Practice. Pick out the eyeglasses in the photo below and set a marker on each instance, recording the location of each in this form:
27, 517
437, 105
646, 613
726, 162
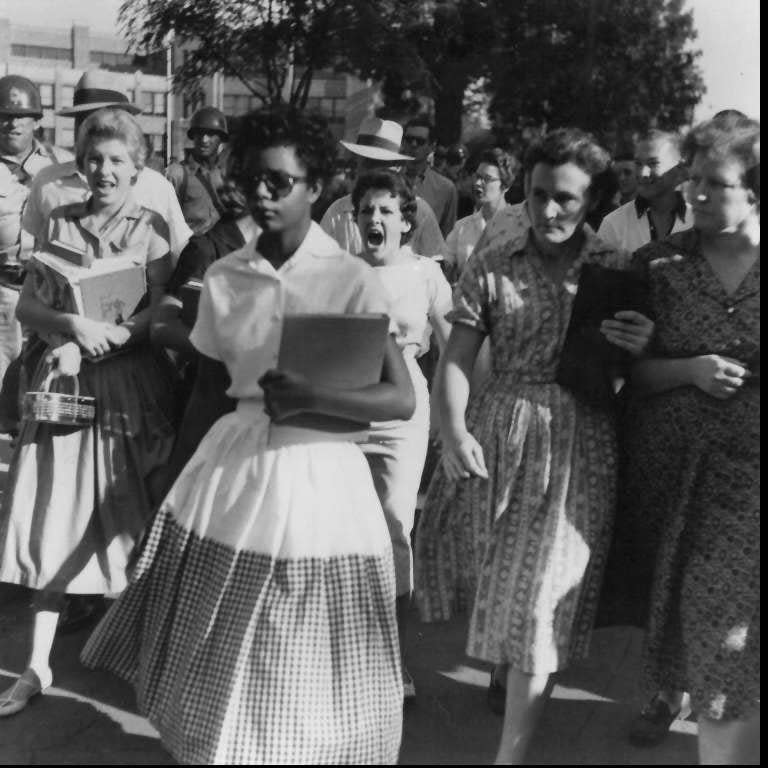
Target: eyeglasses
278, 183
485, 179
419, 141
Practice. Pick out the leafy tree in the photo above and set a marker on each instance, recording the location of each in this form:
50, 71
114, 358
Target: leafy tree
610, 66
274, 47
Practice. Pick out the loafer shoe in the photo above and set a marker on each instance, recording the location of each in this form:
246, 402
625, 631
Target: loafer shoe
16, 698
652, 725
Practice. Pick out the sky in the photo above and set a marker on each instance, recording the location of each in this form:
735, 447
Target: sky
729, 37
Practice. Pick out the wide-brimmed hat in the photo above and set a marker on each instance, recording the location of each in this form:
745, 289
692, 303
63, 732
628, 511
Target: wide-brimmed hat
95, 90
378, 140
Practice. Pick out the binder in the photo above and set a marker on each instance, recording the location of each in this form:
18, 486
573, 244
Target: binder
588, 360
333, 350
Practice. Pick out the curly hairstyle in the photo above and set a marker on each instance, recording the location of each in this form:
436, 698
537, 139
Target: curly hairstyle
567, 145
729, 137
111, 123
397, 186
285, 126
506, 163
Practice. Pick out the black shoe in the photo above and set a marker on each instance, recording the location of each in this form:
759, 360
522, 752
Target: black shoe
496, 696
80, 612
651, 726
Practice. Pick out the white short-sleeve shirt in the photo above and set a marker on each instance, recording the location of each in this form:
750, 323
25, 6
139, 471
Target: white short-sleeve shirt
244, 300
628, 228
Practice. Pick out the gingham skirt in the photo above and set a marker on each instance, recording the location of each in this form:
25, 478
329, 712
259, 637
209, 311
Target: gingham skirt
259, 626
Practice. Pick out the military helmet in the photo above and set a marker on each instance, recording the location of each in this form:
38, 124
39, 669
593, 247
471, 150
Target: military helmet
208, 119
19, 96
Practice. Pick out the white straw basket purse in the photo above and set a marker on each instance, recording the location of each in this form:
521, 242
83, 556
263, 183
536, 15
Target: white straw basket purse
59, 407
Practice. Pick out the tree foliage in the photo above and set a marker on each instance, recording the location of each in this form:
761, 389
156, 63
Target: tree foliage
606, 65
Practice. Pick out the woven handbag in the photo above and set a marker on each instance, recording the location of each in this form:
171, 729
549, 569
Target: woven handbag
59, 407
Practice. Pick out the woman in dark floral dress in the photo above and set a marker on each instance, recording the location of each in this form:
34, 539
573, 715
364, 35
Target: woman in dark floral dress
694, 444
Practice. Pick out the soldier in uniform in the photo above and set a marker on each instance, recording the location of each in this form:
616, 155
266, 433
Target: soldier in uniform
198, 177
21, 157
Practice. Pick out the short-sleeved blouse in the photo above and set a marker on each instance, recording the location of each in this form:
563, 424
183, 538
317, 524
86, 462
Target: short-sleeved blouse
135, 232
419, 296
244, 300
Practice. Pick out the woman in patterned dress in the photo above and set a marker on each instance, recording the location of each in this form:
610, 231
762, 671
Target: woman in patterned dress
77, 500
259, 625
694, 445
420, 297
517, 521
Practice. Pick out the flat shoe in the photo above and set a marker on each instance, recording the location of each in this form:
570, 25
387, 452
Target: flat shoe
651, 726
496, 696
15, 698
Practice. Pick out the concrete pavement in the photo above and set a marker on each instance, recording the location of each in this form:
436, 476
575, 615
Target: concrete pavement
89, 718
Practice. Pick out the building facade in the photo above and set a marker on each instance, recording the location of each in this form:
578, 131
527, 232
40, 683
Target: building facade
55, 59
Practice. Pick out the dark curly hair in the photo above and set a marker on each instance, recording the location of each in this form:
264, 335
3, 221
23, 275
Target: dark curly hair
567, 145
504, 161
729, 137
394, 183
285, 126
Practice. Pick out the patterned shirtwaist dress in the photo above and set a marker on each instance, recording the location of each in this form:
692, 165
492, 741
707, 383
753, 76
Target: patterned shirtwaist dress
527, 546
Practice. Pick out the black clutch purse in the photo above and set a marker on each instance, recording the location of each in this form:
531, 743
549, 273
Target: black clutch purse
589, 363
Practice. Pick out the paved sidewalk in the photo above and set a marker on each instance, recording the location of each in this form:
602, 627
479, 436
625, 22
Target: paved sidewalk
89, 718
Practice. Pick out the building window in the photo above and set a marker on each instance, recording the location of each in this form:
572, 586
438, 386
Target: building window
67, 95
158, 103
66, 137
118, 62
41, 52
155, 142
46, 95
153, 103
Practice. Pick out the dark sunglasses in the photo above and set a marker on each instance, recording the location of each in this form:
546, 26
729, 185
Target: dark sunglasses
278, 183
419, 141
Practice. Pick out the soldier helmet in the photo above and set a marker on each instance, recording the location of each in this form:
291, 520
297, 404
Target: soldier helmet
208, 119
19, 96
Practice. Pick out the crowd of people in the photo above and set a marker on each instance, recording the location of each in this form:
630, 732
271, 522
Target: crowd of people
260, 567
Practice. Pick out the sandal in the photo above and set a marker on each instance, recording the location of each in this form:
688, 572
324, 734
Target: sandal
15, 698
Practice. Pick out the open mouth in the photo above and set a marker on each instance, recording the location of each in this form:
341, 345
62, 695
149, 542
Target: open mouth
374, 238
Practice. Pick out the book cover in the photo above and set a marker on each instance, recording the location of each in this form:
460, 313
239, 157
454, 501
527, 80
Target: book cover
339, 351
110, 288
113, 297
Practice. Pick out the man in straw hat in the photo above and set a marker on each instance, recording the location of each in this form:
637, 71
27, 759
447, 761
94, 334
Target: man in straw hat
64, 183
378, 146
22, 157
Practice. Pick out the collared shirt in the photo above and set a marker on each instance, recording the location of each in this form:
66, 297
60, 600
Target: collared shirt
506, 224
339, 222
441, 195
133, 231
195, 185
464, 237
629, 227
244, 300
15, 181
62, 184
135, 234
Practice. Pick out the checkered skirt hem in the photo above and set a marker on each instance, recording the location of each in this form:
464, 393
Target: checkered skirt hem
239, 657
